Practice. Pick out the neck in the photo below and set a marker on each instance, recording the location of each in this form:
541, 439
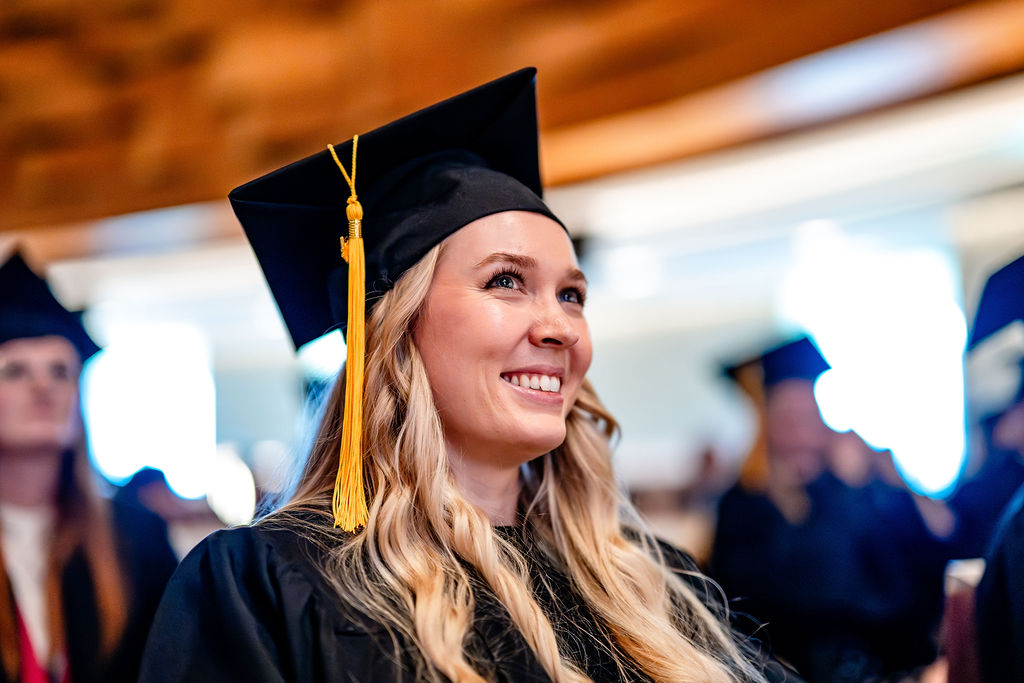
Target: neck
492, 487
29, 479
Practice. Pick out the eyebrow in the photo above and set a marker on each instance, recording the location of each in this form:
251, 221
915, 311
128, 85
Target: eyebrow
526, 263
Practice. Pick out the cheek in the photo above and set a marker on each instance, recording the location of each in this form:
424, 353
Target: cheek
9, 401
582, 354
69, 399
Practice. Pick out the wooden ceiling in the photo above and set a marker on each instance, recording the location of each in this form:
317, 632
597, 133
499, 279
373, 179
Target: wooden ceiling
116, 106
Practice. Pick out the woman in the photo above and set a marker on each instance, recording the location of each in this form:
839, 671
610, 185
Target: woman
492, 544
80, 578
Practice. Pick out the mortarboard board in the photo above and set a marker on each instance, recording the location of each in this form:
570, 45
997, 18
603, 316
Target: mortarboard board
1001, 302
29, 309
796, 359
417, 180
420, 179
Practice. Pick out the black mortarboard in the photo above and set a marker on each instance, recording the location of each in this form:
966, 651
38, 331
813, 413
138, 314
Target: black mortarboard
1001, 303
419, 179
797, 359
29, 309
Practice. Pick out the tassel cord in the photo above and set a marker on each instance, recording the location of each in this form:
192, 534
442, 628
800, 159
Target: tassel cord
349, 498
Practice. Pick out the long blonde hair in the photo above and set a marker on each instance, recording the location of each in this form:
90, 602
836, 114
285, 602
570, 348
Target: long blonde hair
408, 569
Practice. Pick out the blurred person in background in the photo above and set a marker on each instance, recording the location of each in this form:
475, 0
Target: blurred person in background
994, 354
840, 572
80, 577
999, 607
479, 533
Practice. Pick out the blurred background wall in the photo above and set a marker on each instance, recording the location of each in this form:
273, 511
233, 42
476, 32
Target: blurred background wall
735, 172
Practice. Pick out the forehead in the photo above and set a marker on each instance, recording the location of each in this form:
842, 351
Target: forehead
515, 232
38, 348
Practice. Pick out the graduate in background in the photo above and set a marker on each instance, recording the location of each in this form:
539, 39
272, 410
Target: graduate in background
999, 608
472, 529
842, 577
80, 577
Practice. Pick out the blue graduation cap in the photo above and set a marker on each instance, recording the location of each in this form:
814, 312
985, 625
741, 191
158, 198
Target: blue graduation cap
795, 359
1001, 303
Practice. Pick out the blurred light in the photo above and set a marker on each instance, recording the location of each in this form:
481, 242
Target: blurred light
270, 459
854, 77
323, 357
231, 493
148, 400
633, 271
889, 324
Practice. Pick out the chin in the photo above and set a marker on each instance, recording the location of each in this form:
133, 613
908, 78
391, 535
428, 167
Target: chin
545, 443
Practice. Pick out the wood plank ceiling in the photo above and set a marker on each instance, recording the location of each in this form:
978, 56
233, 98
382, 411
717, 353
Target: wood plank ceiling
118, 106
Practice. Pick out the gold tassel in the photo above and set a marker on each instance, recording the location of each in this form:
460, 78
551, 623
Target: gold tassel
349, 501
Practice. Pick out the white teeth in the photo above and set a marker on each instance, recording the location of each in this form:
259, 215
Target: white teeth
538, 382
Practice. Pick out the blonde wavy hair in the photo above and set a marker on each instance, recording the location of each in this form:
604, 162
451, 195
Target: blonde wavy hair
408, 569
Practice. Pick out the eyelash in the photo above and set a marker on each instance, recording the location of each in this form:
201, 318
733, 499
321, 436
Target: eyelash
518, 276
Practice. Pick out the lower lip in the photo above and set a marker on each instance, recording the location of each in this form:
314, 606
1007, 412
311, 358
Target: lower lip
548, 398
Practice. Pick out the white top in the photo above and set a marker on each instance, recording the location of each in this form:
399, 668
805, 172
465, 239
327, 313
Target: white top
26, 533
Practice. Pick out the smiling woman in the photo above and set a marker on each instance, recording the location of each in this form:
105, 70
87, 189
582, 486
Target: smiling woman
482, 535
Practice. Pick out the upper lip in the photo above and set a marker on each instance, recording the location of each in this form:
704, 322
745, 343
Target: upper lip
549, 370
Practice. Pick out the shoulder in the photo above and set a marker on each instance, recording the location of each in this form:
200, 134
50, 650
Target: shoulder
682, 564
142, 543
252, 553
738, 501
1008, 542
260, 589
135, 521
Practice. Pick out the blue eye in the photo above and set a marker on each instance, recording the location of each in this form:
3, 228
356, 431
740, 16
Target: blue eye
505, 280
572, 296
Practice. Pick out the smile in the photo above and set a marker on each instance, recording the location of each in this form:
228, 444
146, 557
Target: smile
538, 382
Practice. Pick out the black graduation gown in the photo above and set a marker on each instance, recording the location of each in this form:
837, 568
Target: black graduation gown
999, 610
854, 592
148, 562
980, 501
249, 604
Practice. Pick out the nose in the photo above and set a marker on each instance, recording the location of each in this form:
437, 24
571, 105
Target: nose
41, 383
553, 328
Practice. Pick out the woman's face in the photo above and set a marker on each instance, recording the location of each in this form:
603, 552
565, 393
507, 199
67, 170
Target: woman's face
38, 394
503, 338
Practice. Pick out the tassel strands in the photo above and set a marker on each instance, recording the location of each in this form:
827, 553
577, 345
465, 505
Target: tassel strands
349, 500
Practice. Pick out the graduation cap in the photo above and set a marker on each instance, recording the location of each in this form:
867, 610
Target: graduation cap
796, 359
29, 309
417, 180
1001, 303
995, 365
